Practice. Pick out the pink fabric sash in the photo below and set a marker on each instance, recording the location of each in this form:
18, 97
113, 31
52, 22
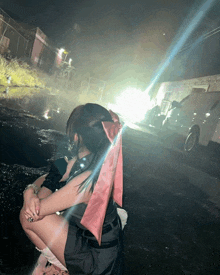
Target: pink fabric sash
110, 180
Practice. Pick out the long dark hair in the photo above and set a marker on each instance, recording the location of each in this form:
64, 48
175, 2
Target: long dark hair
86, 122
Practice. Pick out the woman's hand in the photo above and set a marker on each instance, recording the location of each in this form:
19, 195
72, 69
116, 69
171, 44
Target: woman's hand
31, 205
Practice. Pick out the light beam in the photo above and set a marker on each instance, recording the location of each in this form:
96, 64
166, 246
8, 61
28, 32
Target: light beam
181, 41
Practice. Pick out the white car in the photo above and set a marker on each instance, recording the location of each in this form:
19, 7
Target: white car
196, 118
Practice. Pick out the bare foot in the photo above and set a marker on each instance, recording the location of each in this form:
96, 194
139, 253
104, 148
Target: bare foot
40, 266
54, 270
39, 270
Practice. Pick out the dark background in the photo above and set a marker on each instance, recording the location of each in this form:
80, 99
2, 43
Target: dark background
127, 38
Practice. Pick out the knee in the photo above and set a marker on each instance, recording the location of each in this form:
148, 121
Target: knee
22, 219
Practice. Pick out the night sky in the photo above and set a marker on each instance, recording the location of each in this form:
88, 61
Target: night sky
58, 18
108, 38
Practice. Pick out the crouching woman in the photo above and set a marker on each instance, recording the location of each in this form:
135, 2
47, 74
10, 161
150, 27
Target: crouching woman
87, 237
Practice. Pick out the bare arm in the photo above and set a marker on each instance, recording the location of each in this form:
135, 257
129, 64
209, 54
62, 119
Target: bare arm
43, 193
31, 204
32, 201
65, 197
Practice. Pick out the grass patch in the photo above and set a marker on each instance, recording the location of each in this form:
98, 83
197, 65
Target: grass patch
19, 92
21, 74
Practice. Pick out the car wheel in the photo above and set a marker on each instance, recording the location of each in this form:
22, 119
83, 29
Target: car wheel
191, 142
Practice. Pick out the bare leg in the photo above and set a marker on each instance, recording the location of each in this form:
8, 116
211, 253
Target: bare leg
50, 232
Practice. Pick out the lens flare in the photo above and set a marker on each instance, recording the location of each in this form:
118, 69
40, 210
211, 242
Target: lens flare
181, 39
132, 104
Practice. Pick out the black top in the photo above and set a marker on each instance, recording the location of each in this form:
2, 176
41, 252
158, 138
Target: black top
58, 169
75, 213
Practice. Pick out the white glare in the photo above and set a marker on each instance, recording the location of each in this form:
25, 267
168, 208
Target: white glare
46, 114
132, 104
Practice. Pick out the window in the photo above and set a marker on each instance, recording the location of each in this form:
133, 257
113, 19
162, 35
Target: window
198, 90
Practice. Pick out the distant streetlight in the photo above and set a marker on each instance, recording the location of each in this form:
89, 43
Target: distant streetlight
60, 55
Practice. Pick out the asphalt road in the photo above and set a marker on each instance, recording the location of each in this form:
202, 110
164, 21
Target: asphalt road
173, 202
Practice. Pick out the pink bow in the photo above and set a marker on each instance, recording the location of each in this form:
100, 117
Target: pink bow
110, 177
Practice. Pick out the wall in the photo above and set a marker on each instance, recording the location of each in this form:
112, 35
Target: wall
10, 38
43, 55
26, 43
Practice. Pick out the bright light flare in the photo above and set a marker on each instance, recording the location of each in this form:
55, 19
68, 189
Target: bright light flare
45, 115
132, 104
61, 50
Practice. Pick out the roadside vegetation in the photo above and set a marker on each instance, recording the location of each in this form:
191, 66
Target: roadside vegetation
21, 74
27, 81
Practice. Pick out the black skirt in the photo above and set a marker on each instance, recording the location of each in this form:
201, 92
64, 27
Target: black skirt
83, 255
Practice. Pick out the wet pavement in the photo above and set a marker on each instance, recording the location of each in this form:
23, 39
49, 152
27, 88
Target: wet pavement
172, 199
